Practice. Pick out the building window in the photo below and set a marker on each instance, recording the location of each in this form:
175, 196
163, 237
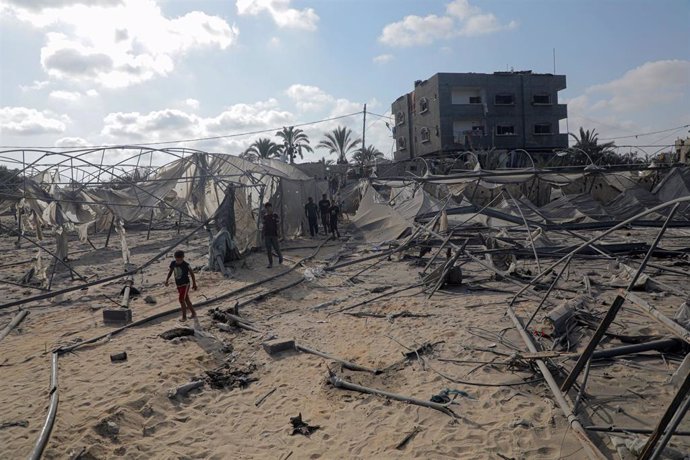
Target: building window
541, 99
423, 105
542, 128
426, 137
504, 99
505, 130
400, 118
475, 99
401, 143
477, 130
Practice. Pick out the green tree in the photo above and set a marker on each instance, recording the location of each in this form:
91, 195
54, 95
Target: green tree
339, 141
261, 148
366, 156
588, 142
294, 141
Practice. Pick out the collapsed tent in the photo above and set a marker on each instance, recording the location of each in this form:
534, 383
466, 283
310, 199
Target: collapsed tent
507, 198
199, 188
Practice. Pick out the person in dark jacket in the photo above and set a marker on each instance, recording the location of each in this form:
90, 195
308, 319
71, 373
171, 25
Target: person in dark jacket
333, 213
312, 212
270, 228
324, 208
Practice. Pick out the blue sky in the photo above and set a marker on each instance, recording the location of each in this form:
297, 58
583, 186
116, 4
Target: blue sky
132, 71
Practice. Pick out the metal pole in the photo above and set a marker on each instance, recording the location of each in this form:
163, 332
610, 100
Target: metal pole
541, 304
668, 416
670, 431
613, 310
587, 443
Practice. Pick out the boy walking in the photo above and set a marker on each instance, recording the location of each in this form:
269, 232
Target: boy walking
311, 210
271, 222
324, 207
333, 212
183, 271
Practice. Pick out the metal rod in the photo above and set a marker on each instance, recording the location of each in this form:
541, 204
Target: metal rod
670, 431
47, 428
616, 429
561, 398
548, 291
602, 235
613, 310
529, 232
666, 419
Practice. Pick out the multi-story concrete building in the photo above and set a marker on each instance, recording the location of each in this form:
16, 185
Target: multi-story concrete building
455, 112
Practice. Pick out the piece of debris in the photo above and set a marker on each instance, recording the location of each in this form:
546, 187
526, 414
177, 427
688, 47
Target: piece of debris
264, 397
379, 289
278, 345
107, 429
300, 427
21, 423
444, 397
177, 332
150, 299
183, 390
523, 423
116, 357
231, 378
401, 445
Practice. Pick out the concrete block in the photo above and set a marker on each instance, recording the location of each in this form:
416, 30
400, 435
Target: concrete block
276, 346
117, 316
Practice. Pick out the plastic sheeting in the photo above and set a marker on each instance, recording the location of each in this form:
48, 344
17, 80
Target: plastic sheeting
382, 220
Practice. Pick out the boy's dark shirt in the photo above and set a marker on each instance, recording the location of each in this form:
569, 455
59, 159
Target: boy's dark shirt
334, 211
181, 272
324, 206
271, 224
311, 210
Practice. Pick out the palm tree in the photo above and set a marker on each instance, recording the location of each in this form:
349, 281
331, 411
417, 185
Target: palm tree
588, 142
294, 142
260, 149
340, 142
367, 155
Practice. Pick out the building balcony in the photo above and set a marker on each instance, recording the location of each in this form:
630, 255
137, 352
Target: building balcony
462, 110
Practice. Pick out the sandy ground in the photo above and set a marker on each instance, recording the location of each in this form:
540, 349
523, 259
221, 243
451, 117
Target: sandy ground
467, 324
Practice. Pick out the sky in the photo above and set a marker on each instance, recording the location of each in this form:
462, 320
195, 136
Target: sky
112, 72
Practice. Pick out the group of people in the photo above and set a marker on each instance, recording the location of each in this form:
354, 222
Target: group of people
328, 211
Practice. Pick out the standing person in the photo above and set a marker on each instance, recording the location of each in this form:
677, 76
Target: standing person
271, 222
311, 210
333, 213
324, 208
183, 271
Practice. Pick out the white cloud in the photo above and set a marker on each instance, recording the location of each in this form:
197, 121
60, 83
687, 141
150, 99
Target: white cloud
652, 83
646, 98
383, 58
69, 96
71, 142
29, 122
280, 11
192, 103
173, 124
117, 44
461, 19
309, 98
34, 86
92, 92
417, 30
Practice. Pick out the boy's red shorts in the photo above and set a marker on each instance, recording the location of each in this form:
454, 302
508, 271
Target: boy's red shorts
183, 291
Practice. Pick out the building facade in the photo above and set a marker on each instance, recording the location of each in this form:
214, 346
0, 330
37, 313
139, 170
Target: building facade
455, 112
